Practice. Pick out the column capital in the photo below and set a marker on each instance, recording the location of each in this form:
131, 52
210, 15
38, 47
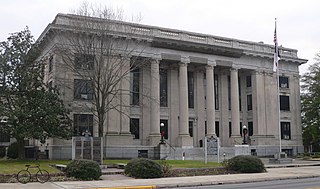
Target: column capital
235, 67
185, 60
212, 62
156, 57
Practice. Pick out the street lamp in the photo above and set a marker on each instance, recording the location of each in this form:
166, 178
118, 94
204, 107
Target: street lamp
162, 133
244, 132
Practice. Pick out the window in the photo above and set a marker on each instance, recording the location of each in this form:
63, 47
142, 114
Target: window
191, 128
230, 129
134, 128
216, 92
284, 103
285, 131
190, 90
82, 122
163, 88
164, 128
134, 86
84, 61
205, 128
248, 81
283, 82
50, 63
249, 102
217, 128
4, 137
250, 128
83, 90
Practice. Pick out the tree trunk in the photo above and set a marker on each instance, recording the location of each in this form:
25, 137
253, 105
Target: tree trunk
21, 150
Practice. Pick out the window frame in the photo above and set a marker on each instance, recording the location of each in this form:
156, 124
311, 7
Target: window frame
81, 88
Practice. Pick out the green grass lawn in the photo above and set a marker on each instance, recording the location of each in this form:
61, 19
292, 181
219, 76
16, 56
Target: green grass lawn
14, 166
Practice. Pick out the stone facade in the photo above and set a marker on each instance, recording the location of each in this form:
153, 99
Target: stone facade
213, 86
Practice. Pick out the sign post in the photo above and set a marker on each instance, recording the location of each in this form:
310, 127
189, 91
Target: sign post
211, 147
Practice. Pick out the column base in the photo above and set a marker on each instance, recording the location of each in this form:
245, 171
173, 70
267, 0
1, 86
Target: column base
154, 139
185, 141
123, 139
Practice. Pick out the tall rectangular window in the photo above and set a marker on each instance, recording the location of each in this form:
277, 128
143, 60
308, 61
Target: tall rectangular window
190, 89
50, 63
83, 89
284, 103
249, 102
82, 123
134, 128
135, 86
285, 131
164, 128
230, 129
216, 92
248, 80
217, 128
84, 61
191, 128
205, 128
163, 88
250, 128
4, 137
283, 82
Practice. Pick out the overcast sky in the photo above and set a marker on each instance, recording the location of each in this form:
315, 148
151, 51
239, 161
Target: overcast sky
298, 24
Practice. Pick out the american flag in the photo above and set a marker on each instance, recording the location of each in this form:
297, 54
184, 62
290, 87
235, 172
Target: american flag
276, 55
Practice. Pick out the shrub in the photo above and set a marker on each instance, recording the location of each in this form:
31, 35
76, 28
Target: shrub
166, 167
245, 164
83, 170
2, 151
12, 152
143, 168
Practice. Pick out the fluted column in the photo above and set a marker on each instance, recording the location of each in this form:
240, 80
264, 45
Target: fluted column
154, 136
183, 100
235, 114
184, 137
210, 113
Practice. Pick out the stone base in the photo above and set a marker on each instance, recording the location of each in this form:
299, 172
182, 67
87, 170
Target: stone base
242, 150
236, 140
185, 141
118, 139
154, 139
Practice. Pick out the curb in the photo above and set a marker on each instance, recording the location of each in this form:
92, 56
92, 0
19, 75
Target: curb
129, 187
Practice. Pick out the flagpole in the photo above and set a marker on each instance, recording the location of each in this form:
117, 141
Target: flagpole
278, 90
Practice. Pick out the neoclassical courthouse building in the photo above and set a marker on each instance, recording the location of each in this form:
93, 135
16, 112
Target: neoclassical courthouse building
201, 85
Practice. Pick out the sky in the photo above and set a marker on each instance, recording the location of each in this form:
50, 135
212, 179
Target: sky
298, 22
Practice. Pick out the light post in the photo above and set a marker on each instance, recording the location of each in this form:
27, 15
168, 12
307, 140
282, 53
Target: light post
162, 133
244, 132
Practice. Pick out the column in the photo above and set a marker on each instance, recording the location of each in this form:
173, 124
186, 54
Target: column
210, 113
184, 137
235, 114
183, 100
125, 99
154, 136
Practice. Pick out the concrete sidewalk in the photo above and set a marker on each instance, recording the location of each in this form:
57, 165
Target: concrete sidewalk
277, 172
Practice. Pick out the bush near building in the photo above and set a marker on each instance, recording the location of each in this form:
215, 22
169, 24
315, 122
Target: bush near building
83, 170
2, 151
144, 168
245, 164
12, 152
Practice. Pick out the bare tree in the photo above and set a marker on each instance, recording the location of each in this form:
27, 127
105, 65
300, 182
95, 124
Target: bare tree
101, 50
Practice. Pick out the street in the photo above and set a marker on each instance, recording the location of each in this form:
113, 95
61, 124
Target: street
310, 183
